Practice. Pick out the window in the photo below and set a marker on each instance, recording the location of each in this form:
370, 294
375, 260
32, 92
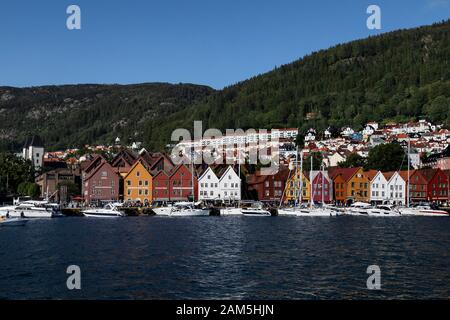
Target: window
146, 183
138, 174
128, 182
129, 192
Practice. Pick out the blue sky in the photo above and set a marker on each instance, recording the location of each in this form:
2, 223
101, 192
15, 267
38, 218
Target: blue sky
211, 42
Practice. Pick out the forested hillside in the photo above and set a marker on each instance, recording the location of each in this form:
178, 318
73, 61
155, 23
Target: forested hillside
395, 76
66, 116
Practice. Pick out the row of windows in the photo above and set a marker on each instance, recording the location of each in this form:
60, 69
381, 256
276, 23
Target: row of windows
140, 192
140, 183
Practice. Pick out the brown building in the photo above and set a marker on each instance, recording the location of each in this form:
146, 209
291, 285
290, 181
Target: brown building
268, 188
54, 183
101, 182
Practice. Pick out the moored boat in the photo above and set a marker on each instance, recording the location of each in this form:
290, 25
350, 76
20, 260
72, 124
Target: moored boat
109, 211
425, 211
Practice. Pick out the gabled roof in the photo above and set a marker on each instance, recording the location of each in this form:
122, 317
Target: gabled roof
428, 174
388, 175
94, 163
206, 171
103, 163
34, 141
143, 163
346, 173
230, 168
371, 174
126, 155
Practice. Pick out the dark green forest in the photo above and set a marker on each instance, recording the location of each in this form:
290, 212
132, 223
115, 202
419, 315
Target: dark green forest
397, 76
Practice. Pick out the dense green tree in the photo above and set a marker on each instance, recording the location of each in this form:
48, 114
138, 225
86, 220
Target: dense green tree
13, 171
317, 159
353, 160
387, 157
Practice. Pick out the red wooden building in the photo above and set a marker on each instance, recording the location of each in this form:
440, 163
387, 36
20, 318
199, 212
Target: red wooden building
268, 188
322, 186
429, 185
181, 184
161, 186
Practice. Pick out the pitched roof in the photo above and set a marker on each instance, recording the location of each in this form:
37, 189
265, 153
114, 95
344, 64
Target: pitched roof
371, 174
388, 175
347, 173
34, 141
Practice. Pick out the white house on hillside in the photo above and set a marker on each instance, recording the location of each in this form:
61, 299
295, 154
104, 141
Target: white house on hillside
208, 186
397, 189
225, 188
230, 185
388, 187
378, 188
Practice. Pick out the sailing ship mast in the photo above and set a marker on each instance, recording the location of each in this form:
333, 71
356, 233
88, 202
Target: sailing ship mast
407, 187
301, 177
311, 202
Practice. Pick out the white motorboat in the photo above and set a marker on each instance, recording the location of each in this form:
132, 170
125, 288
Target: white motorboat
27, 210
109, 211
255, 212
358, 209
180, 209
230, 211
383, 211
187, 211
425, 211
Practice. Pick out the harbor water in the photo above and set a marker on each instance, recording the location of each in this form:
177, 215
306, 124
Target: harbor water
227, 258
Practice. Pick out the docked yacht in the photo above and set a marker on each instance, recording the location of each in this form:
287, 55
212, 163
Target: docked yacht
188, 210
28, 210
358, 209
383, 211
181, 209
423, 210
246, 208
109, 211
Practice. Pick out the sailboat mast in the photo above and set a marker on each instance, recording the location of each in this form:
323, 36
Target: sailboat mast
301, 177
192, 177
322, 173
311, 182
407, 187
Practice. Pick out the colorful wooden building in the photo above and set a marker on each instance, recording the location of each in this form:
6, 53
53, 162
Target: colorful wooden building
138, 183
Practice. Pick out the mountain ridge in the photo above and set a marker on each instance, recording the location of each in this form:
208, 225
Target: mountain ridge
399, 75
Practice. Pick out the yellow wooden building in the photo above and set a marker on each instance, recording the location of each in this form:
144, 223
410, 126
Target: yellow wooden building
138, 183
293, 187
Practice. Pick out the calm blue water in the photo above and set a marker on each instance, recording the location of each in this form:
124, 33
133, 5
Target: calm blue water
227, 258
